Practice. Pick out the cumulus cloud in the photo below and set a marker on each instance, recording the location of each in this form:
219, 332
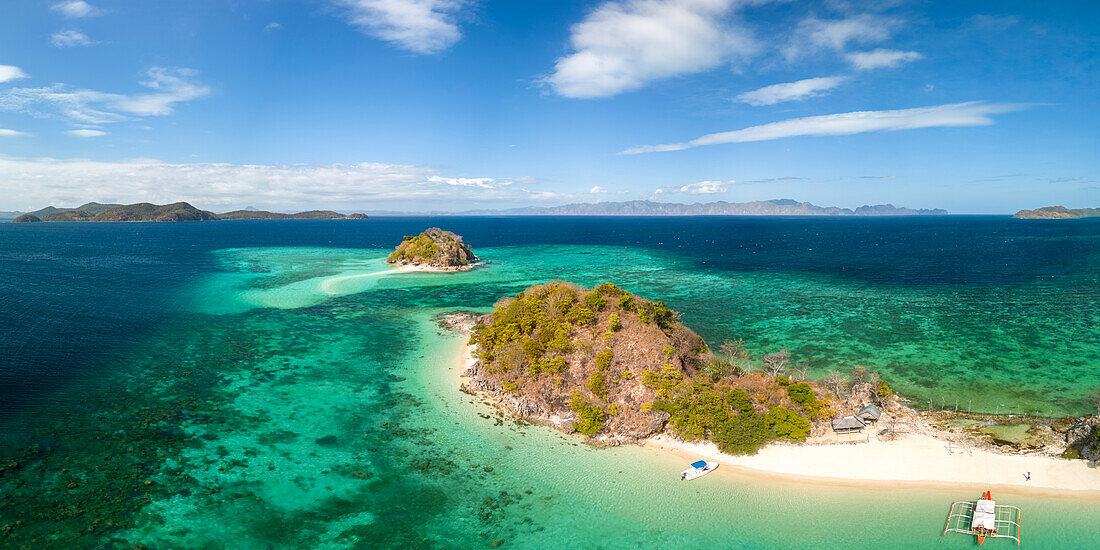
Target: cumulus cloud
700, 188
974, 113
170, 86
70, 39
881, 59
419, 26
10, 132
624, 45
597, 189
227, 186
86, 133
11, 72
791, 91
75, 9
814, 35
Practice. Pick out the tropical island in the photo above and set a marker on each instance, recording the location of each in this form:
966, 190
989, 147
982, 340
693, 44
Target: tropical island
435, 249
618, 368
175, 212
1057, 213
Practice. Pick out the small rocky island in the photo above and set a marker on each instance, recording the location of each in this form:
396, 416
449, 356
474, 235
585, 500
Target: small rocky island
620, 369
1057, 213
434, 248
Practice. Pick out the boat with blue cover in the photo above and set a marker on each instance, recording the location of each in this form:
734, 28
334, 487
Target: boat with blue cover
698, 469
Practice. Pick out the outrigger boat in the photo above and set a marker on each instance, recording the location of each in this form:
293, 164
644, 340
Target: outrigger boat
984, 519
698, 469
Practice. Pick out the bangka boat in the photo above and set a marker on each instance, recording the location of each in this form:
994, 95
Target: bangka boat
984, 518
698, 469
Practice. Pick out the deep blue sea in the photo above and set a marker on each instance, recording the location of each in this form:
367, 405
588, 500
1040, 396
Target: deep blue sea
149, 371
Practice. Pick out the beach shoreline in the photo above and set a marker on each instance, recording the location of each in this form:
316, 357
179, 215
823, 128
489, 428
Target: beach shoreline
911, 461
916, 460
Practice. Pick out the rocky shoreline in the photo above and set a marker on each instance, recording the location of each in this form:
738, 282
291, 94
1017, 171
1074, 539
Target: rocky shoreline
1067, 437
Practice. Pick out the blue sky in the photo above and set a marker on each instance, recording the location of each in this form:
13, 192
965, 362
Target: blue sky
454, 104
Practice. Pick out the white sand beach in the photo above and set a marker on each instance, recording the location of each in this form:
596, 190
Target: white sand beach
914, 458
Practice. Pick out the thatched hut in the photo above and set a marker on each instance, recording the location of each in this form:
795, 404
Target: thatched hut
848, 424
869, 414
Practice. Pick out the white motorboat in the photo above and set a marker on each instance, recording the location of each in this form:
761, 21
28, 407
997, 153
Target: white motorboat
698, 469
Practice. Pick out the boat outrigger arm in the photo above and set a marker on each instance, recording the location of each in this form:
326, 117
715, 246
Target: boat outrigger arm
984, 519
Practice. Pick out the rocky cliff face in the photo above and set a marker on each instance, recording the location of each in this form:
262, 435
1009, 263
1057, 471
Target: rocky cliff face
1084, 435
433, 248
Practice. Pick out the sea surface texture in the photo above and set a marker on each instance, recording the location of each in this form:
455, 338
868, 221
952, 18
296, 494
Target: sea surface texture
272, 384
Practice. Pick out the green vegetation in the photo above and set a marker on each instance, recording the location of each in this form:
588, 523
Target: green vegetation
613, 322
412, 247
27, 218
703, 410
597, 384
884, 390
603, 360
591, 416
433, 247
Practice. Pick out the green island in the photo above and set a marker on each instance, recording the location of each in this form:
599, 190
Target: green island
433, 248
1057, 213
619, 368
175, 212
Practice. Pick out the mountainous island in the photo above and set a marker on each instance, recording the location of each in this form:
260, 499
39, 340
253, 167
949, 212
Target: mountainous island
1057, 213
619, 368
433, 248
774, 207
175, 212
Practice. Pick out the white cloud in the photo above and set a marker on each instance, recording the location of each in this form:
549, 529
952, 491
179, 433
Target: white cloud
70, 38
10, 132
170, 86
624, 45
702, 188
75, 9
418, 26
38, 182
86, 133
791, 91
814, 35
273, 26
11, 72
974, 113
880, 59
597, 189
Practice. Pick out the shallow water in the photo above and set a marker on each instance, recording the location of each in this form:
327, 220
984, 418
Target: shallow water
273, 384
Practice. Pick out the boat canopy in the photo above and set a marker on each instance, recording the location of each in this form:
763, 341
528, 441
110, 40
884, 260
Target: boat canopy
699, 464
985, 515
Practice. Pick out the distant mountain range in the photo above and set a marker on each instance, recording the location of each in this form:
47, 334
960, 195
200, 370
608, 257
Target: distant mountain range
775, 207
1057, 213
175, 212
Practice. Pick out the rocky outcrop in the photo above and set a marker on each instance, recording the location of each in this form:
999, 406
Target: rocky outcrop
433, 248
1084, 435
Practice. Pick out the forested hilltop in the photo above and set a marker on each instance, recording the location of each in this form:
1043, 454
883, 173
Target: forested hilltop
621, 368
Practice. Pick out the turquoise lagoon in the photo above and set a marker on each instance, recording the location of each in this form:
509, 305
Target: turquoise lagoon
305, 396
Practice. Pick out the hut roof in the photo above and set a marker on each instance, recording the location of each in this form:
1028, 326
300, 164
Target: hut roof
870, 411
847, 423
